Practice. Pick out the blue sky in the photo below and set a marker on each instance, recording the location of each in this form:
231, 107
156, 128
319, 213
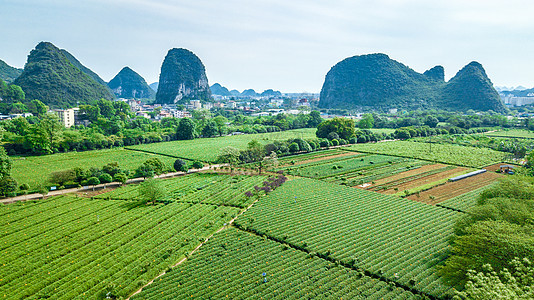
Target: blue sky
284, 45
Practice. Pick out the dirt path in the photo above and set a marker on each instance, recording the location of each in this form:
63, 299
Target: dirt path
452, 189
194, 250
111, 185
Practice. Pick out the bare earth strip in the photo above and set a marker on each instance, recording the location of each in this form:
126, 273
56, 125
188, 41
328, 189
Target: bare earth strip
422, 181
452, 189
321, 158
409, 173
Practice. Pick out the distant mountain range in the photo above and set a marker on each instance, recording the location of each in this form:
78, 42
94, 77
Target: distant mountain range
220, 90
8, 73
128, 84
182, 78
377, 82
58, 79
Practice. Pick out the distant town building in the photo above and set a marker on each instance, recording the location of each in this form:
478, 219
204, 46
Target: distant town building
181, 114
66, 116
517, 101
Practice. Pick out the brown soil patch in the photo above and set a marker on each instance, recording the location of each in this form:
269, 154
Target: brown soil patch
409, 173
424, 180
452, 189
90, 193
495, 167
348, 153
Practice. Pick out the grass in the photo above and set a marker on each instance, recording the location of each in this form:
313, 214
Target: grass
398, 239
207, 149
448, 154
36, 169
512, 133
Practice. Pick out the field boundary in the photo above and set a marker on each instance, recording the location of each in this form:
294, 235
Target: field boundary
338, 262
156, 153
404, 156
228, 224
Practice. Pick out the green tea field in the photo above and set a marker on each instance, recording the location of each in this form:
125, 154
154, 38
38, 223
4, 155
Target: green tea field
36, 169
208, 149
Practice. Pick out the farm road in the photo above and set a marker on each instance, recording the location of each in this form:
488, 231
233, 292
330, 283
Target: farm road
102, 186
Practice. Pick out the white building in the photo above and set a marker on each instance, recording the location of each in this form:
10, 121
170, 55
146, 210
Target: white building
66, 116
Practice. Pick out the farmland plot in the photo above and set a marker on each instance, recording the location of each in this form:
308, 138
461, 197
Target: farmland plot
397, 238
449, 190
36, 169
207, 149
238, 265
447, 154
199, 188
76, 247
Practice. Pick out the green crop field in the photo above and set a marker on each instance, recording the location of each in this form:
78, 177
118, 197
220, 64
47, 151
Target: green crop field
67, 247
448, 154
36, 169
512, 133
231, 265
399, 239
465, 201
207, 149
351, 170
200, 188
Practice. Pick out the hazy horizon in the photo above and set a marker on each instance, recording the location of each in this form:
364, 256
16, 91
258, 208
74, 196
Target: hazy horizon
280, 45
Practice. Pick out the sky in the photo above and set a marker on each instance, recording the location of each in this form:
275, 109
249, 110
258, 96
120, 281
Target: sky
279, 44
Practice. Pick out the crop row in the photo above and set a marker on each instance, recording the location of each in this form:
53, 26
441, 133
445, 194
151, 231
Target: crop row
448, 154
339, 167
293, 159
393, 237
200, 188
307, 163
238, 265
108, 247
371, 174
207, 149
464, 201
404, 180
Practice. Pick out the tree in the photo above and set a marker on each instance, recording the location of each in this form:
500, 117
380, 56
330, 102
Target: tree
37, 108
229, 155
342, 126
51, 125
62, 177
221, 124
5, 163
151, 191
294, 147
431, 121
366, 122
105, 178
89, 112
180, 165
42, 189
197, 165
8, 185
157, 165
210, 129
120, 177
186, 129
144, 171
517, 283
94, 181
315, 119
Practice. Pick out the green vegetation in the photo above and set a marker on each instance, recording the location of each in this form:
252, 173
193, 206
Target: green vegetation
50, 77
238, 265
229, 190
208, 149
182, 78
512, 133
8, 73
464, 202
495, 231
36, 169
377, 82
448, 154
128, 84
398, 239
70, 247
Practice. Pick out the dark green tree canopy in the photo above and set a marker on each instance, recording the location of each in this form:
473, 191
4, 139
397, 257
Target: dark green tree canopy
186, 129
342, 126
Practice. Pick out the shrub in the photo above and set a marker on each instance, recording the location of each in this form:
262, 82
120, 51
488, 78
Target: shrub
197, 165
